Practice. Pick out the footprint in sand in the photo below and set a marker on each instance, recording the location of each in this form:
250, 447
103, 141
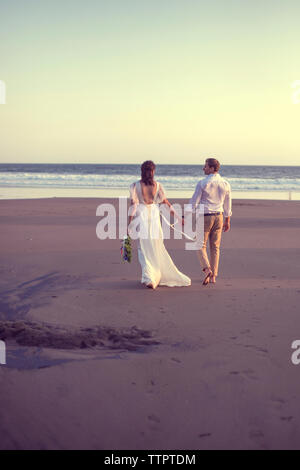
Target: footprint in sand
256, 433
249, 373
277, 404
154, 418
278, 400
286, 418
263, 350
207, 434
175, 359
258, 436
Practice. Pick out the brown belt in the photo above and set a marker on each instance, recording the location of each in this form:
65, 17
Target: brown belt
214, 213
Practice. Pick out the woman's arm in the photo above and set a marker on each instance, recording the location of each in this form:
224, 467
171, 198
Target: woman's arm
133, 204
180, 219
132, 212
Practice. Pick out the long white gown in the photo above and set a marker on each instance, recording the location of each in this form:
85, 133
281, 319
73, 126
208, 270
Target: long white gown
156, 263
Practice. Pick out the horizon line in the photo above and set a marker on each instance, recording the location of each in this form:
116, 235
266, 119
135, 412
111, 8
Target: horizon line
159, 164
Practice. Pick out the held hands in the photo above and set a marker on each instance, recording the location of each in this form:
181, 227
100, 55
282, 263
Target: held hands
180, 220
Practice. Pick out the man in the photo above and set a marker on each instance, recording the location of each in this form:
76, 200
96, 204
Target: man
215, 194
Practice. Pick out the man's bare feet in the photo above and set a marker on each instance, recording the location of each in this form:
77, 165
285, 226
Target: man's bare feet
208, 273
212, 279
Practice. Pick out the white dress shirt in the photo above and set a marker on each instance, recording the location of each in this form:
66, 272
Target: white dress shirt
214, 193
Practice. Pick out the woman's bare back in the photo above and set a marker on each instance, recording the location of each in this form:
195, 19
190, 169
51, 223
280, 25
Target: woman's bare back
148, 192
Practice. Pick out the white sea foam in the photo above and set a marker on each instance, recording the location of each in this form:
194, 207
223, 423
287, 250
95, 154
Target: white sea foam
122, 181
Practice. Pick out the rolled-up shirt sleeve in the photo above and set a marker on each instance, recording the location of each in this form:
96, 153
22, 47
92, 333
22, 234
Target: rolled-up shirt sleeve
227, 205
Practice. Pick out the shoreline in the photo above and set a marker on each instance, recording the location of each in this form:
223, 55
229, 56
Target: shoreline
17, 193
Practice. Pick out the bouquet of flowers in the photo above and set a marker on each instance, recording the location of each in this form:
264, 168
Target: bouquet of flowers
126, 252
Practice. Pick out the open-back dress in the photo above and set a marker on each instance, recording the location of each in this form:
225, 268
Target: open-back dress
156, 263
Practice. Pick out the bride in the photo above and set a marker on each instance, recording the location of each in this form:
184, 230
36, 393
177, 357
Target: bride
157, 265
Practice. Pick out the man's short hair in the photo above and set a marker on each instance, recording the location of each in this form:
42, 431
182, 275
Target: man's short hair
213, 162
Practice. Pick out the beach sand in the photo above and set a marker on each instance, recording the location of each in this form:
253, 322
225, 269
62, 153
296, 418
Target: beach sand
96, 361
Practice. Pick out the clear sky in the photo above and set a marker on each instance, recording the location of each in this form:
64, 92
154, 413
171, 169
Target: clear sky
171, 80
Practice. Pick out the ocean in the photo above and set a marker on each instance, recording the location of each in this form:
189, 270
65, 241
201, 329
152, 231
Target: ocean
109, 179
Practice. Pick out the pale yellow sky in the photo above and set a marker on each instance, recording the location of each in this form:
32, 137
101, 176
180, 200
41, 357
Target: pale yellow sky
121, 81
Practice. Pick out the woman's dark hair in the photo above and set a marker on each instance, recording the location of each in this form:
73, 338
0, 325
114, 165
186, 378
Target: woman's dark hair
147, 176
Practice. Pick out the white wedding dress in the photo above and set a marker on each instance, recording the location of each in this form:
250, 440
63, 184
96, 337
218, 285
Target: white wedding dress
157, 265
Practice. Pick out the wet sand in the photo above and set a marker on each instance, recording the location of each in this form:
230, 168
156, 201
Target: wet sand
96, 361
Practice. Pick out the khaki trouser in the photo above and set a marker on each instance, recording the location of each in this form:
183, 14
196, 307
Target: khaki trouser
213, 225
